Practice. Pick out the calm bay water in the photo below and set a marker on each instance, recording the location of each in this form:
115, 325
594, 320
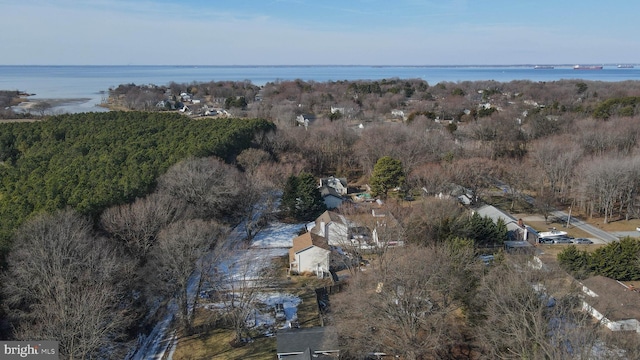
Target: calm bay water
91, 83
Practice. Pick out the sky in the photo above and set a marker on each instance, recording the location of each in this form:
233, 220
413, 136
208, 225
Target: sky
318, 32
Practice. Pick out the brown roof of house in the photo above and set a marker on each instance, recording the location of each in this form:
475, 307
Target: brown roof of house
329, 216
304, 241
614, 300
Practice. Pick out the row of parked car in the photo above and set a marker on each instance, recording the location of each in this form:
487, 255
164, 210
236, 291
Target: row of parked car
564, 239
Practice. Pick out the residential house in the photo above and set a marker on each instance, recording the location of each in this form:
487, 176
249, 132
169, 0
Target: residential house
333, 227
337, 110
315, 343
517, 231
185, 96
332, 190
305, 119
385, 232
331, 197
399, 113
612, 303
338, 184
310, 253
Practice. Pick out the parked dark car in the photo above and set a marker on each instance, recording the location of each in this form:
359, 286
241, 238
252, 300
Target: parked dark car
552, 239
563, 240
582, 241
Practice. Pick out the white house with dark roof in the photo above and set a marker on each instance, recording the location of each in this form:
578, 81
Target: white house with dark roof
310, 253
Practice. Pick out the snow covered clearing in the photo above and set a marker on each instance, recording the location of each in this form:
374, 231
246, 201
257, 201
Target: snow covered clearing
276, 235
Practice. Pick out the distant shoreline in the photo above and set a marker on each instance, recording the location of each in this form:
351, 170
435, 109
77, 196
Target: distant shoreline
71, 82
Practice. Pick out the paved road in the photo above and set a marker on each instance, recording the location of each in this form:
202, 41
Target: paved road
577, 223
562, 218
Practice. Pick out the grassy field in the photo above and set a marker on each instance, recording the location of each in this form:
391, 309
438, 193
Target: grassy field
215, 342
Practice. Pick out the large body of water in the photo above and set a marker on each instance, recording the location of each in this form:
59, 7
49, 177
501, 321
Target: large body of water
91, 83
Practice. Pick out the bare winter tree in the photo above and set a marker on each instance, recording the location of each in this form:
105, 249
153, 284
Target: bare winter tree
557, 158
545, 203
517, 175
137, 224
250, 159
432, 221
178, 261
257, 204
407, 309
65, 284
431, 178
610, 181
618, 135
237, 279
475, 174
533, 313
207, 185
413, 145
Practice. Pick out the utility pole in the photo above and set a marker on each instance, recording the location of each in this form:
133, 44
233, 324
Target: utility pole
569, 217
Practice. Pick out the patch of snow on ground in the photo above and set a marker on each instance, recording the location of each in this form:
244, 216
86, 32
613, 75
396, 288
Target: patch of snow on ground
276, 235
263, 315
246, 265
289, 301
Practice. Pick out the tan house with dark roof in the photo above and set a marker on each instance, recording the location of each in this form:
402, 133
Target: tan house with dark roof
310, 253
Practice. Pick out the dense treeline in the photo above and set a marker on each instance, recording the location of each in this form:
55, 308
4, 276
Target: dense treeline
91, 161
617, 260
109, 214
625, 106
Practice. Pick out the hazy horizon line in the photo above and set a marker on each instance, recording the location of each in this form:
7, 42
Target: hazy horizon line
330, 65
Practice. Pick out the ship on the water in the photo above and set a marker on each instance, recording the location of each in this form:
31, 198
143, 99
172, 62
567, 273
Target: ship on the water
625, 66
587, 67
543, 67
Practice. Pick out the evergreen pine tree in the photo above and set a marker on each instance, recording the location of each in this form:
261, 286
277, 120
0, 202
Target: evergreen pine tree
301, 199
289, 196
310, 202
387, 174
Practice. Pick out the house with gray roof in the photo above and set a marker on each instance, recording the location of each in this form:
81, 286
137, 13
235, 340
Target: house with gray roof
308, 344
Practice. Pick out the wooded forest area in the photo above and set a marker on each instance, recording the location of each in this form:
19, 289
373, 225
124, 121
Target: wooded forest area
125, 186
